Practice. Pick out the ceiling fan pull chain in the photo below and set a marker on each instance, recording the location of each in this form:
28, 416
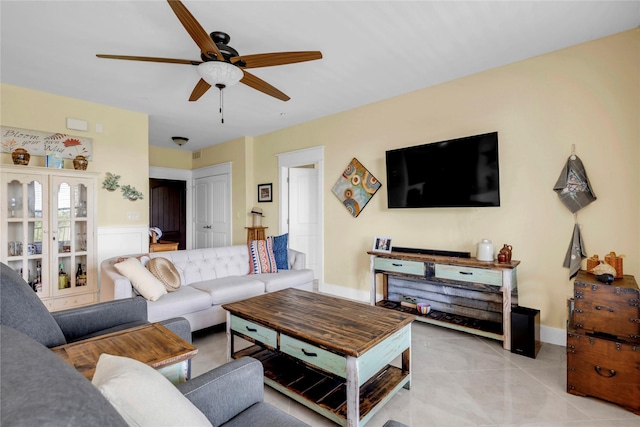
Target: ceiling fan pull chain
221, 107
221, 86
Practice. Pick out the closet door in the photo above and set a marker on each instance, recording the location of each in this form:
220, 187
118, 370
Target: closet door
212, 208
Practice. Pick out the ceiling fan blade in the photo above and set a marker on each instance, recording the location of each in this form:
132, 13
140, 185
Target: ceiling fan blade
199, 90
195, 30
151, 59
278, 58
264, 87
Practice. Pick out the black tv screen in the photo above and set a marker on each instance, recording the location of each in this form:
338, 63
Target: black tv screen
460, 172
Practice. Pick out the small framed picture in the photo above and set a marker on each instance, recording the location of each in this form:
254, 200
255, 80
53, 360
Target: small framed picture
264, 193
382, 244
54, 160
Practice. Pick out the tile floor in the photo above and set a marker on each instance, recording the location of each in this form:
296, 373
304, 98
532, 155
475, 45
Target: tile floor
462, 380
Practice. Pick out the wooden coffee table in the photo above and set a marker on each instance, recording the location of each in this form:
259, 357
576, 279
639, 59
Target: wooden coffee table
330, 354
152, 344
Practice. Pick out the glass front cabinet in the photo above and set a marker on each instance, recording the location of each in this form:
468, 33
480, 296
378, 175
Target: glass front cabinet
48, 225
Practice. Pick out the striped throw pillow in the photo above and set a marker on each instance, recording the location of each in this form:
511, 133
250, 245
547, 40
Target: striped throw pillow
261, 257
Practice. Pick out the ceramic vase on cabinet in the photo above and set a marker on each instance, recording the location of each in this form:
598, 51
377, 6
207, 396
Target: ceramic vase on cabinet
485, 250
505, 253
80, 163
20, 156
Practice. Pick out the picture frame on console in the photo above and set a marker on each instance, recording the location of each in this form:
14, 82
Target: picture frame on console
382, 244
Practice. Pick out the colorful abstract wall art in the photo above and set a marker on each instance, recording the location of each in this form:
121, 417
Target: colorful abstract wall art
355, 187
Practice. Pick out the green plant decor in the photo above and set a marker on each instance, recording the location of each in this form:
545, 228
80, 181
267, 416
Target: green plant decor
110, 182
130, 193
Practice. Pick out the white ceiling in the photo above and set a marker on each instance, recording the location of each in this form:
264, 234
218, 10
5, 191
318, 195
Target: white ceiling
372, 51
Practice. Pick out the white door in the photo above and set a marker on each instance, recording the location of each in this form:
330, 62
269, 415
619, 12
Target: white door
212, 209
304, 221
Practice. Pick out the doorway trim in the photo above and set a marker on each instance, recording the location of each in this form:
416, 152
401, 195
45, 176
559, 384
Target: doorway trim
189, 176
179, 175
291, 159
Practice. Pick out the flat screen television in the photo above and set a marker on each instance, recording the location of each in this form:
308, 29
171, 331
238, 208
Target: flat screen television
462, 172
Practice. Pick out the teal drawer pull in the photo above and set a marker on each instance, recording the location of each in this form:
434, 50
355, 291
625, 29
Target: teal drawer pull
309, 354
251, 329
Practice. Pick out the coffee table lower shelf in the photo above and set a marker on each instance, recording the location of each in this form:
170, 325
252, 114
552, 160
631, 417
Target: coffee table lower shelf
319, 391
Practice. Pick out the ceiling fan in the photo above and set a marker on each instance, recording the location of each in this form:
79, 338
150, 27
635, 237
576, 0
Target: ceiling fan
221, 65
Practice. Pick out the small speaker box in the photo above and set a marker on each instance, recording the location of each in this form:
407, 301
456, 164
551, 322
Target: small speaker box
525, 331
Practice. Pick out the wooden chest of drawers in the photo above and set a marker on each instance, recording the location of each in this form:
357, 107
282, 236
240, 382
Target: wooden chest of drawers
605, 369
603, 341
612, 309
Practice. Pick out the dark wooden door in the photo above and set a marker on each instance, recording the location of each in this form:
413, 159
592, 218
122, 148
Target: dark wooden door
168, 209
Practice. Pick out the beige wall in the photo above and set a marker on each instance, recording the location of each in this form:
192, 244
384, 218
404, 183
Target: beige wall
120, 149
586, 95
169, 158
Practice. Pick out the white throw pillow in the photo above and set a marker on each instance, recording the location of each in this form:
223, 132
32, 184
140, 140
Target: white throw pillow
144, 259
141, 279
142, 396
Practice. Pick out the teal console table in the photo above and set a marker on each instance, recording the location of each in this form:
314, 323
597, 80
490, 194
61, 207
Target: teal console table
465, 294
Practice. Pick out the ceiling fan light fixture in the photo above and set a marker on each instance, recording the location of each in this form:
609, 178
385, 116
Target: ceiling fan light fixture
220, 73
180, 140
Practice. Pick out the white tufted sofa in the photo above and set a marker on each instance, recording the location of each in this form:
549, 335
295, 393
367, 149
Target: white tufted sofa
209, 277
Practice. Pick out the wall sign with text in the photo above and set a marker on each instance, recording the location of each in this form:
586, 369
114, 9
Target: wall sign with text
39, 143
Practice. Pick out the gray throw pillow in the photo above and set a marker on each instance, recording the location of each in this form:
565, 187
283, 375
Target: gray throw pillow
21, 309
38, 388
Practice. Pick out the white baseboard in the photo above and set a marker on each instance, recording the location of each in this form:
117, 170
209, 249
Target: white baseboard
553, 335
341, 291
547, 334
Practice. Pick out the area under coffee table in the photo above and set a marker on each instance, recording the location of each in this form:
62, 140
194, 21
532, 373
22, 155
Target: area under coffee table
330, 354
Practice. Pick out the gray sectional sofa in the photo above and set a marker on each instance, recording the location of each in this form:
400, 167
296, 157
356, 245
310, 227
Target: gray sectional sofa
38, 388
209, 278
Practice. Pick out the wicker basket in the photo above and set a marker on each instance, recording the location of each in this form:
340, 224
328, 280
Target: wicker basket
616, 262
592, 262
